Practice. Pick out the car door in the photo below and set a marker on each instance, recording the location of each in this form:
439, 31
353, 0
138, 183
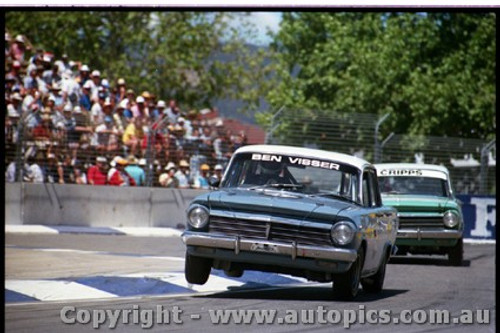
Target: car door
377, 218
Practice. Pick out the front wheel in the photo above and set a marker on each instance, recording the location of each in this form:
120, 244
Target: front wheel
346, 285
456, 253
196, 269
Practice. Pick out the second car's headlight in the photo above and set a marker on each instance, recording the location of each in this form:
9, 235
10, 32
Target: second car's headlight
343, 233
450, 219
197, 216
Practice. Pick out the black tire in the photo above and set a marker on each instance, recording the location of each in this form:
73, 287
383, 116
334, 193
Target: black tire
234, 273
346, 285
196, 269
456, 254
375, 283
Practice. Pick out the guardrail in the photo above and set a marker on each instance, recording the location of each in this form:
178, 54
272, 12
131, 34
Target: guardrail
109, 206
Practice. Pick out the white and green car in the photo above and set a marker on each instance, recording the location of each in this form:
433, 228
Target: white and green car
430, 216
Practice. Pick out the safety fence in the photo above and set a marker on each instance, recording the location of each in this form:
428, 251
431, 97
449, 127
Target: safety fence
471, 162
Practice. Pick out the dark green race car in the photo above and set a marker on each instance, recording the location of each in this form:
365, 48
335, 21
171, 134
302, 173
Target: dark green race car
430, 217
297, 211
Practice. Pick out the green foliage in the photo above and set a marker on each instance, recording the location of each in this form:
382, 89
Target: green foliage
194, 57
434, 72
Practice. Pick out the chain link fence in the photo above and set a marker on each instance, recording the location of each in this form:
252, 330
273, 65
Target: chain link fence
471, 162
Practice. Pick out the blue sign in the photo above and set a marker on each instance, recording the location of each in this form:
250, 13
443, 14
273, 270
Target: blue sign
479, 216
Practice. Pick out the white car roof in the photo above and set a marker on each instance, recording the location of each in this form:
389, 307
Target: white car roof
305, 152
411, 166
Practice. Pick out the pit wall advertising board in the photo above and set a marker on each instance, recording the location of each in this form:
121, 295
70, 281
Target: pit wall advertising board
479, 216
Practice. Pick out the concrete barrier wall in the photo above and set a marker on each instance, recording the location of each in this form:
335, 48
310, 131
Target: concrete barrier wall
77, 205
109, 206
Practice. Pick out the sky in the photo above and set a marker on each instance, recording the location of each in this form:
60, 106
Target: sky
264, 21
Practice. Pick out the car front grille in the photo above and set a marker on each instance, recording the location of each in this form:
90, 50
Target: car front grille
275, 231
414, 222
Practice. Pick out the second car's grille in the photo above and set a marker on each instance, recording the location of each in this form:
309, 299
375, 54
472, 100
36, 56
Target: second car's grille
270, 230
414, 222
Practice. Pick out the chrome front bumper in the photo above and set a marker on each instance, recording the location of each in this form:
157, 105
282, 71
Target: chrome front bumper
429, 233
293, 250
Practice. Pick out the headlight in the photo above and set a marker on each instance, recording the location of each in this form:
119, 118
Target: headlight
450, 219
343, 233
197, 216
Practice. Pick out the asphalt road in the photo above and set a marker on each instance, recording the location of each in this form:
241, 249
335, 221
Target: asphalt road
118, 264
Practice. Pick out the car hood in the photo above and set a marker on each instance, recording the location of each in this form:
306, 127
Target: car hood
418, 203
279, 203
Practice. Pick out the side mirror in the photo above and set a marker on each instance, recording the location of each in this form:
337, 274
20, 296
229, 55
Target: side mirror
214, 181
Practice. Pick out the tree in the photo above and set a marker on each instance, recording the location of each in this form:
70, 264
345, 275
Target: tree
434, 72
193, 57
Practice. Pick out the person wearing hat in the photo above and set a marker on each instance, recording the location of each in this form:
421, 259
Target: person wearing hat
160, 107
30, 81
83, 75
97, 174
85, 99
218, 171
105, 86
168, 179
140, 109
201, 180
94, 82
135, 171
120, 90
182, 174
107, 107
14, 108
19, 47
97, 112
56, 96
107, 135
120, 177
147, 97
51, 168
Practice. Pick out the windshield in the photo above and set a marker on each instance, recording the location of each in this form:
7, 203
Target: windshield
292, 173
413, 185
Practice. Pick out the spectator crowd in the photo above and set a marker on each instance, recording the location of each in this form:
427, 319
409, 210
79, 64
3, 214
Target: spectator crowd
77, 126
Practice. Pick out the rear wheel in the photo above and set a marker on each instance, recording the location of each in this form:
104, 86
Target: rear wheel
456, 253
346, 285
375, 283
197, 270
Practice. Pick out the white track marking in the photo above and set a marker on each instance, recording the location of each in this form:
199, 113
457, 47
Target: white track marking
29, 229
48, 290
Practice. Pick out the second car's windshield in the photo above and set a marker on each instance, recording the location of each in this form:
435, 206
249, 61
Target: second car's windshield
292, 173
413, 185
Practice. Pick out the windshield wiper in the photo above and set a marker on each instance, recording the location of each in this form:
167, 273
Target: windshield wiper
334, 195
278, 186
